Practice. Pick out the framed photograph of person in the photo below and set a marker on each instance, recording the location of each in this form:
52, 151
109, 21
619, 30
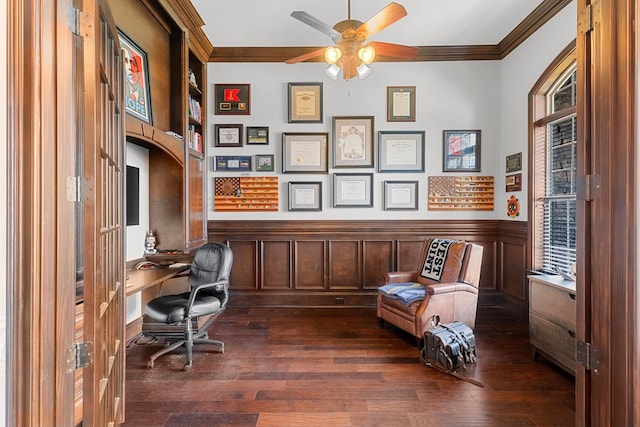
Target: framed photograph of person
401, 151
353, 142
137, 98
305, 152
305, 102
305, 196
353, 190
401, 195
228, 135
461, 151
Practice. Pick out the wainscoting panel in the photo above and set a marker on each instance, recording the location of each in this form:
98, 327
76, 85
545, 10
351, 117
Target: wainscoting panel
328, 263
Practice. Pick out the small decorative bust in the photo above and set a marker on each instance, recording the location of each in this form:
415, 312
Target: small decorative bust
150, 243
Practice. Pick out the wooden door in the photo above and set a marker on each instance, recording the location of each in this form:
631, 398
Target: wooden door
607, 326
104, 263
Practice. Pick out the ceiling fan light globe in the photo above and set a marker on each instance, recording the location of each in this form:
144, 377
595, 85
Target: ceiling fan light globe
332, 72
332, 54
367, 54
363, 71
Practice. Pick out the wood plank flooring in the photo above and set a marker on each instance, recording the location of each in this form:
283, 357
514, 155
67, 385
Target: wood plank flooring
287, 367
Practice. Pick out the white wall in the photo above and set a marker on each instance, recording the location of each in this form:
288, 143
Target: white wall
520, 70
139, 157
449, 95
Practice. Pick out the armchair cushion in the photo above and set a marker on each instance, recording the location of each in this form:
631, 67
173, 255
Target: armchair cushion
441, 261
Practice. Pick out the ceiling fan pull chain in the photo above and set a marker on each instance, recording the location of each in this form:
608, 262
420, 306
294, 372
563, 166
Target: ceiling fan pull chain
348, 9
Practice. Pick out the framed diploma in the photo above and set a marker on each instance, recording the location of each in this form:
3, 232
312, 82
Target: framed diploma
305, 102
353, 190
305, 152
305, 196
461, 151
401, 151
228, 135
232, 98
353, 142
401, 103
401, 195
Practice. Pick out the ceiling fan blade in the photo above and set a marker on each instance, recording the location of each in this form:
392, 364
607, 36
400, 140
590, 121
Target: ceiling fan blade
381, 20
317, 24
396, 50
305, 56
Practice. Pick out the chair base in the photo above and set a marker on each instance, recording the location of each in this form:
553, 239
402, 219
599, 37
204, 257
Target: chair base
199, 339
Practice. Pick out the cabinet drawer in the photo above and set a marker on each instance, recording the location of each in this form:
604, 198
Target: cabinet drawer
555, 304
554, 341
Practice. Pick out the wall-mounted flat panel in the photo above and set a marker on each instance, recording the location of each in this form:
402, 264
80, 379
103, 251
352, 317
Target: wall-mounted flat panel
244, 273
344, 264
310, 264
276, 265
378, 260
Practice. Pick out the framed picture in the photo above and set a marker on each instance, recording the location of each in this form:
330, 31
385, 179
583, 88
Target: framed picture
461, 151
513, 182
265, 163
257, 135
232, 98
353, 190
228, 135
305, 102
137, 96
401, 195
353, 142
233, 163
514, 163
401, 151
305, 196
401, 103
305, 152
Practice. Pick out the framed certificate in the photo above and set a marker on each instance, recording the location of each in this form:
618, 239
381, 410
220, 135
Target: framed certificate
353, 190
353, 142
305, 152
305, 196
401, 195
401, 103
228, 135
401, 151
305, 102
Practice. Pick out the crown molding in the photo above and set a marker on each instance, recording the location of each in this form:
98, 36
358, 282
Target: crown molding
536, 19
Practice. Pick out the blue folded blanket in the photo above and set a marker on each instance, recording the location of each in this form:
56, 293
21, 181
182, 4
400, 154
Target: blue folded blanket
406, 293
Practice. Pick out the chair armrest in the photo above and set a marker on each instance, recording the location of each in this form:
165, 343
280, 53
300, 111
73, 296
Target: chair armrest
442, 288
400, 277
219, 286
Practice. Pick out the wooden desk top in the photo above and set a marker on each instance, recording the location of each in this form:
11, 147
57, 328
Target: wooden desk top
138, 280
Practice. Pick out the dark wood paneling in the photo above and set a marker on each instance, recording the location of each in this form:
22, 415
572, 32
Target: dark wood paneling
310, 264
344, 264
276, 265
244, 273
325, 263
378, 259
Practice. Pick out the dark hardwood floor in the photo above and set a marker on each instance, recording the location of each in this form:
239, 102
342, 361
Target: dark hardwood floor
335, 367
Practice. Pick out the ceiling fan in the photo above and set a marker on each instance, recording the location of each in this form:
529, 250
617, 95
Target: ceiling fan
352, 53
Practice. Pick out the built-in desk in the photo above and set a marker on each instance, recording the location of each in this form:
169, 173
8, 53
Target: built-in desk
148, 283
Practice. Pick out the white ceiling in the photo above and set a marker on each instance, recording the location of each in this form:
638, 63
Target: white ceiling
234, 23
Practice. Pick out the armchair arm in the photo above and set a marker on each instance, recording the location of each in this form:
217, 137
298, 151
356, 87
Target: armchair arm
219, 286
400, 277
442, 288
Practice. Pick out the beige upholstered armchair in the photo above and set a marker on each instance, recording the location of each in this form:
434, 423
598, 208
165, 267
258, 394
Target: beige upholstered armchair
445, 283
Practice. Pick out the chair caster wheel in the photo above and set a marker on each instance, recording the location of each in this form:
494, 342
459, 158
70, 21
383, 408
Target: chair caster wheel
150, 364
187, 367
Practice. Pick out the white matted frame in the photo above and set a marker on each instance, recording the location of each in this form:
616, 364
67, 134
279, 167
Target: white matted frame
353, 142
305, 196
401, 195
353, 190
401, 151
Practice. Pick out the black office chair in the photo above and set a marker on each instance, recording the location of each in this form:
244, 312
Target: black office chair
209, 281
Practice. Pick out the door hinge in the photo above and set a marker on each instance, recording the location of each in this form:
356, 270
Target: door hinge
80, 355
588, 187
589, 17
79, 189
80, 23
588, 356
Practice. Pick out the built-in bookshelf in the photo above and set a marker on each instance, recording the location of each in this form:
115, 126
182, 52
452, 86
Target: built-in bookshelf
195, 137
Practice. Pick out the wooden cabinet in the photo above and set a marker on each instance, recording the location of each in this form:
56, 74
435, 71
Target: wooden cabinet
177, 50
552, 319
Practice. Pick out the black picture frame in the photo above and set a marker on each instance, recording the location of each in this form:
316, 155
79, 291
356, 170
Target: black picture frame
257, 135
304, 102
461, 150
137, 93
232, 98
228, 135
